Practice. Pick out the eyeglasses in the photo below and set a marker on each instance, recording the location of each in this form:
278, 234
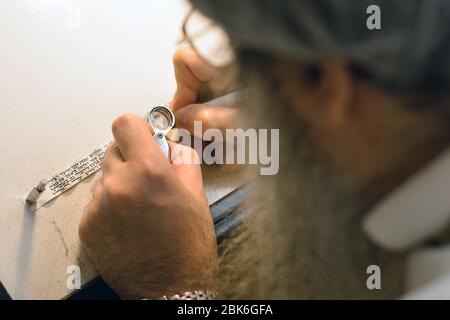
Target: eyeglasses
207, 38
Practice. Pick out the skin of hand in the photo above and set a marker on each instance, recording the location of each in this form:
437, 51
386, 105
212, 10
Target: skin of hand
196, 81
148, 228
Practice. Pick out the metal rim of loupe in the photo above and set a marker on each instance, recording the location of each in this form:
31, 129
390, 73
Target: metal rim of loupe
167, 113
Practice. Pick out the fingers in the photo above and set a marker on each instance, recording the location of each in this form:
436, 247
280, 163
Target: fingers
113, 158
186, 164
97, 193
190, 73
134, 138
212, 117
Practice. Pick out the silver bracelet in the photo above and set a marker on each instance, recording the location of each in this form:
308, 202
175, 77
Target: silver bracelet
195, 295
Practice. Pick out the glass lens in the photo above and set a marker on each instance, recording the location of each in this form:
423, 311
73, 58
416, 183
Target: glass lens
159, 120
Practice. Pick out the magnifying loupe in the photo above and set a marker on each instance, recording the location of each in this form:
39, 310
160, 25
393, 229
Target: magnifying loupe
162, 120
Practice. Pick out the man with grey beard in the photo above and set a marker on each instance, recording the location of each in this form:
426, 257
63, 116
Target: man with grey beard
361, 192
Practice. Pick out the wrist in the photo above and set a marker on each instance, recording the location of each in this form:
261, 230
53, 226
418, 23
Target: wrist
170, 283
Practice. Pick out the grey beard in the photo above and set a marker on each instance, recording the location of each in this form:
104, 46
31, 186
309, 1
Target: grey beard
306, 242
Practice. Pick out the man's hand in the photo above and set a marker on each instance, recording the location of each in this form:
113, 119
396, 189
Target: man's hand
198, 82
148, 228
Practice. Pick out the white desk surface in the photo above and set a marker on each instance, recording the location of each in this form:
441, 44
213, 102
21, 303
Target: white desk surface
67, 69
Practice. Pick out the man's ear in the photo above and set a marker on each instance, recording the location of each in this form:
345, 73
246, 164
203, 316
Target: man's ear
322, 96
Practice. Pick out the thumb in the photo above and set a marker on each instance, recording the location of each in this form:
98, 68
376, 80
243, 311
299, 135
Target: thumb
212, 117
